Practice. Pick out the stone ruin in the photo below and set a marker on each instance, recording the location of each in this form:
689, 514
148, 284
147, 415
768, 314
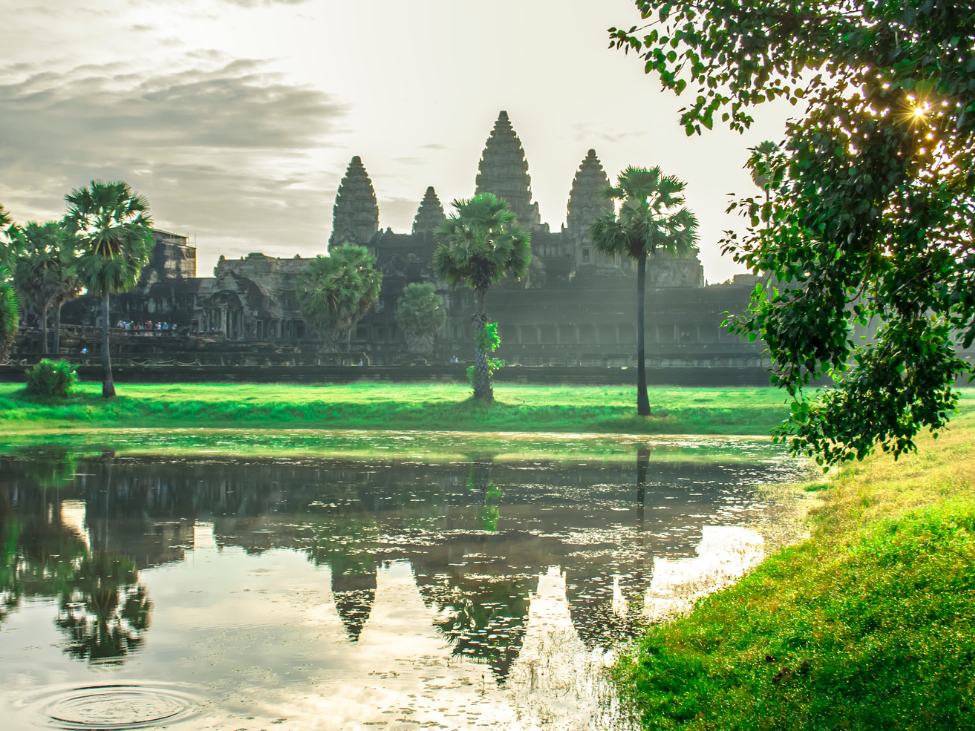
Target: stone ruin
575, 307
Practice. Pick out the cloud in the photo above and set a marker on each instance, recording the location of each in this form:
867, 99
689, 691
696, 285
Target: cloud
237, 105
259, 3
222, 151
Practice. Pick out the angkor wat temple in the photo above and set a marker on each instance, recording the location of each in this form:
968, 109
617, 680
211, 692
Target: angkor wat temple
575, 306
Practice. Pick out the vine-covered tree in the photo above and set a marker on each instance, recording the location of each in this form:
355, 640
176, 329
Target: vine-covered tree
45, 275
874, 216
651, 218
113, 234
335, 291
480, 244
420, 314
9, 304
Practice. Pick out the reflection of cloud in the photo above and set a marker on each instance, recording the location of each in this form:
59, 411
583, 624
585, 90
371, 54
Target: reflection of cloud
724, 555
221, 150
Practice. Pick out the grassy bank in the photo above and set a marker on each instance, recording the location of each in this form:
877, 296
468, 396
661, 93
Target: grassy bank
869, 624
727, 411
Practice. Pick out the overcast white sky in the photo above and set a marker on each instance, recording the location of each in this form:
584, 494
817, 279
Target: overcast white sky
237, 118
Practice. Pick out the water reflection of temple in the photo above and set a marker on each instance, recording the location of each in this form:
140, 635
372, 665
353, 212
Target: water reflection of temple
594, 522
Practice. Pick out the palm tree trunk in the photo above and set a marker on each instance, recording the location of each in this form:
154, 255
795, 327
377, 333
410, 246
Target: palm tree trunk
57, 331
44, 331
108, 387
482, 378
642, 399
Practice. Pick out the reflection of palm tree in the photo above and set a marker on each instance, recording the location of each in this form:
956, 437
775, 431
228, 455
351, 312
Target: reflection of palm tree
486, 619
104, 611
487, 493
48, 466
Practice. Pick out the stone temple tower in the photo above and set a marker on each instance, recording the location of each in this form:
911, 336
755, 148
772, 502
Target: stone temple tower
430, 214
355, 217
503, 170
586, 202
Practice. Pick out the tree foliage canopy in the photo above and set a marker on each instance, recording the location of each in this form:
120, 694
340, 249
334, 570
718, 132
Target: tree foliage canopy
9, 305
482, 242
335, 291
651, 217
872, 219
114, 234
420, 313
44, 271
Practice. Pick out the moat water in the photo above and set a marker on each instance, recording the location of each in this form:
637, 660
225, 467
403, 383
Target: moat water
308, 580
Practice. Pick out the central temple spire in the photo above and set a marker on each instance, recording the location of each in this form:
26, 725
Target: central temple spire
355, 217
503, 170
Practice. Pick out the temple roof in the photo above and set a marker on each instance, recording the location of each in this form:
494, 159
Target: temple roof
503, 170
587, 199
355, 217
430, 214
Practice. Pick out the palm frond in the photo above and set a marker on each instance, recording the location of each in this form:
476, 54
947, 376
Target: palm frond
112, 233
481, 243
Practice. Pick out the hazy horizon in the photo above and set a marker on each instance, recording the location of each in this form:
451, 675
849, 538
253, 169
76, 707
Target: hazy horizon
237, 118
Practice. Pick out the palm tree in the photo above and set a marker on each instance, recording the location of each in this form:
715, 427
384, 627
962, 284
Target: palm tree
482, 243
647, 222
766, 164
9, 305
114, 235
44, 273
335, 291
419, 314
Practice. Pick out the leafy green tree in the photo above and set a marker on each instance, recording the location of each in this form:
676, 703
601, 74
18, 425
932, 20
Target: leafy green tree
419, 314
9, 304
650, 219
334, 292
481, 243
113, 233
875, 212
44, 273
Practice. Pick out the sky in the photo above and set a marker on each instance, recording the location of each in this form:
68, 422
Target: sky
238, 118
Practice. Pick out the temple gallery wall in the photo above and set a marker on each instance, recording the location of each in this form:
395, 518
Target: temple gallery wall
575, 307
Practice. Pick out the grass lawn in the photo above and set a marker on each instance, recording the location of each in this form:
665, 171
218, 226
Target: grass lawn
610, 409
869, 624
